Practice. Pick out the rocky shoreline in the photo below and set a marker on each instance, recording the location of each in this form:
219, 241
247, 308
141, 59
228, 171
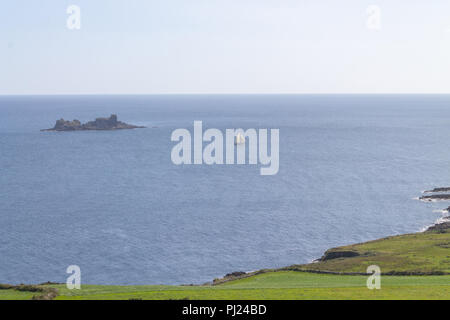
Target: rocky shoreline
110, 123
438, 194
341, 254
436, 197
441, 193
442, 189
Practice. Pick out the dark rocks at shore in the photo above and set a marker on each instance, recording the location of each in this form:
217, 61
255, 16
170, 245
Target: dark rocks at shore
444, 196
235, 274
330, 254
438, 194
110, 123
442, 227
443, 189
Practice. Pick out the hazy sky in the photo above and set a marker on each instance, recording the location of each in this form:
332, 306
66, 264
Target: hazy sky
218, 46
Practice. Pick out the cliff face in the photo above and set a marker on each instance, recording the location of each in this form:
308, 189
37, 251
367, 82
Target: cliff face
110, 123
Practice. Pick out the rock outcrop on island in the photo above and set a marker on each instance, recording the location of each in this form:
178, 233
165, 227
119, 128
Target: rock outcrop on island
110, 123
442, 189
441, 193
435, 197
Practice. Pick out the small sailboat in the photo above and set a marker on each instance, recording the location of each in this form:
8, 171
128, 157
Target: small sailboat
239, 139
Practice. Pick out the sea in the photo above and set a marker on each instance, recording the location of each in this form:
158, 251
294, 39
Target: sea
351, 168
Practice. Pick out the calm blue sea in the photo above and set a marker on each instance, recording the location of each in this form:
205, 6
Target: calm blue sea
113, 203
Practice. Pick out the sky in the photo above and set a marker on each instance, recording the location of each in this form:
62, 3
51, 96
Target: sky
218, 46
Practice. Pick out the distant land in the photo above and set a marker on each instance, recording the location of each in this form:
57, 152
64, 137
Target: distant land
110, 123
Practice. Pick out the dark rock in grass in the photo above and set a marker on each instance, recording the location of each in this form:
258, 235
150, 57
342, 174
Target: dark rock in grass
329, 255
43, 292
110, 123
29, 288
47, 294
235, 274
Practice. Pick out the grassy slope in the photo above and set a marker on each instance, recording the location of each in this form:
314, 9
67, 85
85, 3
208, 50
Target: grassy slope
427, 252
422, 252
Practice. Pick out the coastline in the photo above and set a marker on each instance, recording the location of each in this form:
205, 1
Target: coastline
344, 254
416, 260
422, 254
442, 225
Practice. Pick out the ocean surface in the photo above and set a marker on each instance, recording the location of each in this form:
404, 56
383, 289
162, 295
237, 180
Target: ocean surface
113, 203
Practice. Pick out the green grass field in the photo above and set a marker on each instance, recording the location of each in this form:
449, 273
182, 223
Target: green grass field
289, 285
427, 253
15, 295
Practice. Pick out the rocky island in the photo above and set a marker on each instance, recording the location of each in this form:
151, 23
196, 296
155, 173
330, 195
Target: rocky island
110, 123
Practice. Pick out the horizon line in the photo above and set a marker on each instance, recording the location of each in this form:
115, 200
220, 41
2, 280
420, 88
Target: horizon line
226, 93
